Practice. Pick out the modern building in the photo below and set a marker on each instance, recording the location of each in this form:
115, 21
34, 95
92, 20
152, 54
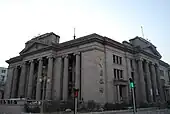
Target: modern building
98, 66
3, 76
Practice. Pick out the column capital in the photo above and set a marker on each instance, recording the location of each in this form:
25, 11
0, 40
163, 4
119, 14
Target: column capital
140, 59
156, 65
65, 56
30, 61
24, 62
147, 61
16, 66
40, 59
50, 57
152, 63
19, 66
77, 53
58, 57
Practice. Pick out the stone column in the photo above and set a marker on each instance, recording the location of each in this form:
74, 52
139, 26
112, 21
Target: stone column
118, 93
30, 81
65, 79
7, 93
154, 80
57, 78
22, 80
142, 83
149, 85
38, 87
160, 89
49, 78
14, 84
77, 81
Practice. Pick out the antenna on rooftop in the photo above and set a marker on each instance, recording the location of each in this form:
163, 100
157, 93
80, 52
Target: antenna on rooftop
74, 34
142, 31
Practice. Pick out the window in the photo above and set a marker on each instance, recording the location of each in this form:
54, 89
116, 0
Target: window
115, 74
121, 73
161, 72
3, 78
117, 59
120, 60
131, 64
118, 74
114, 58
3, 71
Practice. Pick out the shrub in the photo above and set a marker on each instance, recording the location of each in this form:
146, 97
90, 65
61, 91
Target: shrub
91, 105
117, 106
109, 106
143, 105
168, 102
31, 108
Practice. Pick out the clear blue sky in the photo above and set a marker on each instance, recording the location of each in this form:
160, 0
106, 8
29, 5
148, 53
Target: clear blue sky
120, 20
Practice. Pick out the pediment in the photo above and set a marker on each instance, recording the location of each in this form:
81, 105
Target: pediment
152, 50
33, 47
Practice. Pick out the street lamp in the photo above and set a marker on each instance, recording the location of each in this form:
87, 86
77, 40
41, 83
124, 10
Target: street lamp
43, 79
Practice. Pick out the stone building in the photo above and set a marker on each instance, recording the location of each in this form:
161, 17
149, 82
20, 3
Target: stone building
3, 76
98, 66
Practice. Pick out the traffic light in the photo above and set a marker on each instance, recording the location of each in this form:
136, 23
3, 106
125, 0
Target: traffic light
131, 83
76, 91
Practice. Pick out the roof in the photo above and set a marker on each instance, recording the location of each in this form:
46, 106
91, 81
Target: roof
81, 41
142, 39
43, 36
164, 63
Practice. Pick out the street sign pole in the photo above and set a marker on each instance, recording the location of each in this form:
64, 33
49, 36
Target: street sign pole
132, 86
75, 100
75, 107
134, 105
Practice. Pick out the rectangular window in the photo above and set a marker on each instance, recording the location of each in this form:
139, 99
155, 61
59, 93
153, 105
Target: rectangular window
3, 71
121, 74
120, 60
118, 74
117, 58
3, 78
114, 58
161, 72
115, 74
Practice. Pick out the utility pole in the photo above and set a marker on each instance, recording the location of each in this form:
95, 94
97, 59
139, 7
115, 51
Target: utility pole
133, 94
75, 99
74, 34
142, 32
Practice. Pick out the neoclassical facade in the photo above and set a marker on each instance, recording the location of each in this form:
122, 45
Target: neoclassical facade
98, 66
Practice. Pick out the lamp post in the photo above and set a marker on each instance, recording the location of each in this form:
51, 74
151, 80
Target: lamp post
133, 94
43, 79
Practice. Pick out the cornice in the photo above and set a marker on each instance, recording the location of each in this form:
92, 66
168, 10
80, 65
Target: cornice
85, 40
14, 59
163, 63
39, 50
139, 50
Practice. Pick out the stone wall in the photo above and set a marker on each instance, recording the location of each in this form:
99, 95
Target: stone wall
141, 111
11, 109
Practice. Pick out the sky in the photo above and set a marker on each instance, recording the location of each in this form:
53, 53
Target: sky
21, 20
